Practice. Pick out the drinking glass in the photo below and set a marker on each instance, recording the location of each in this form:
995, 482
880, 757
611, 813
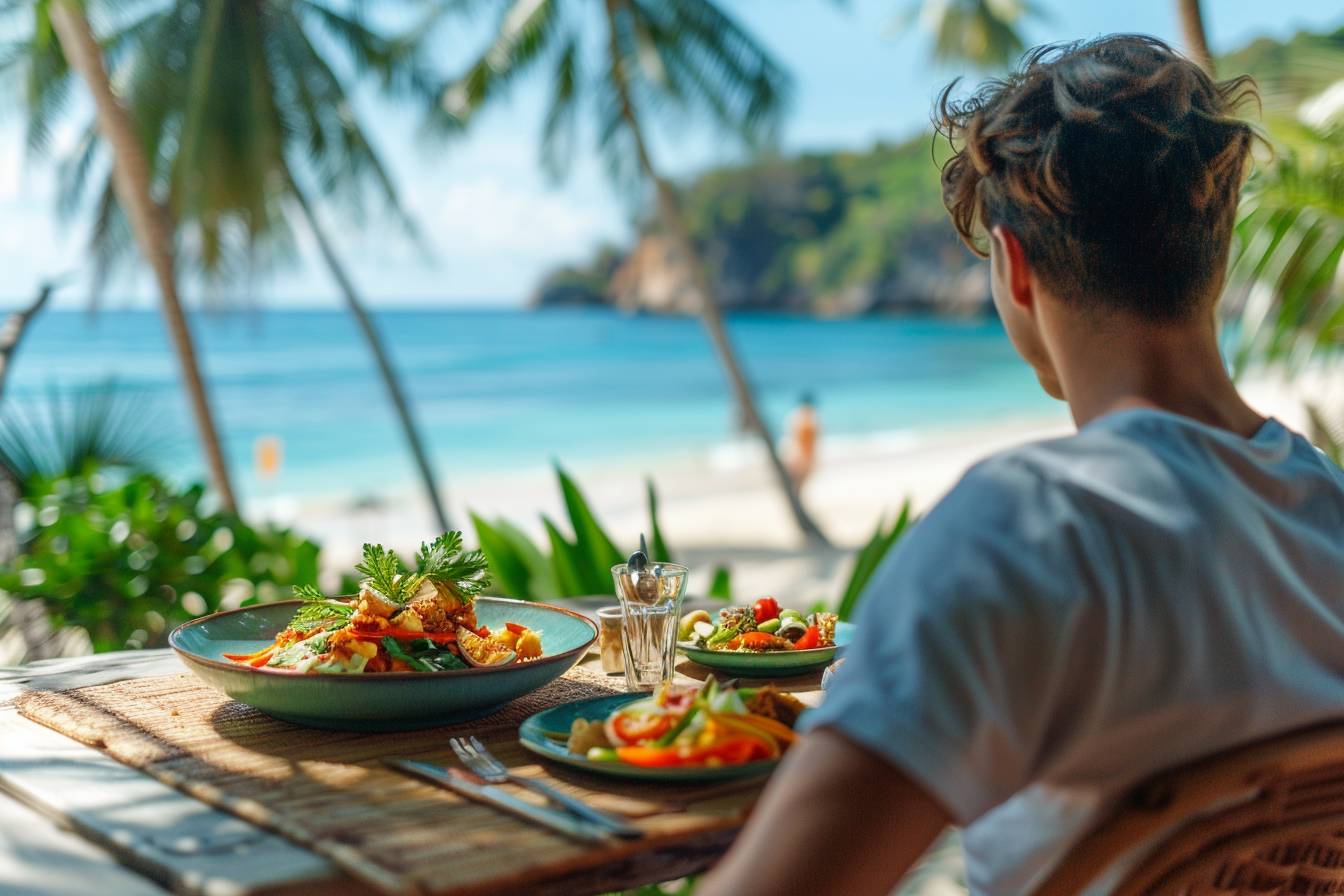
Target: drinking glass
650, 608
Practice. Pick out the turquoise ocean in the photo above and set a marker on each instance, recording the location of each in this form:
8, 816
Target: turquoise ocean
503, 390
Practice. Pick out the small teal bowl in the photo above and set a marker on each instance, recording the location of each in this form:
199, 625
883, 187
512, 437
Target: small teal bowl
389, 701
770, 665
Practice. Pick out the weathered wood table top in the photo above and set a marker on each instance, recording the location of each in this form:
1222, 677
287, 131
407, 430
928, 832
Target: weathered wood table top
70, 815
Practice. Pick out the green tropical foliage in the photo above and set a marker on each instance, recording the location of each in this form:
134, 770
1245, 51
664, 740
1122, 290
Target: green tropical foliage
252, 102
568, 566
1290, 237
870, 557
681, 60
109, 547
821, 232
127, 557
87, 429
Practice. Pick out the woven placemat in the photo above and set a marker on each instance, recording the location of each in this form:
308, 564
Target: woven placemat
328, 791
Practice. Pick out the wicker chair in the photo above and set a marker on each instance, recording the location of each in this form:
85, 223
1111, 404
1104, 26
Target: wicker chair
1261, 820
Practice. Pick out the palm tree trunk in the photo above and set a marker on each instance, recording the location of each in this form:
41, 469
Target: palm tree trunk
375, 341
1193, 35
148, 221
11, 334
673, 220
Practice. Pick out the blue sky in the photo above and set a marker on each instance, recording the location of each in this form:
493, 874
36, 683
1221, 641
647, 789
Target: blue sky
494, 224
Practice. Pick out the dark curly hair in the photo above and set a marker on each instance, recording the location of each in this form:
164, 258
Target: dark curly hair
1116, 162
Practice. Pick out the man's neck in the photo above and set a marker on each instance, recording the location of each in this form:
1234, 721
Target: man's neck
1117, 365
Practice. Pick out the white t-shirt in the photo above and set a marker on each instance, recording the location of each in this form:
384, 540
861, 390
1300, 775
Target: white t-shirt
1080, 613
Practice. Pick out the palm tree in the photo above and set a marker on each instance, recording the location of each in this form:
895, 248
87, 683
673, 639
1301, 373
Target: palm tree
1192, 33
984, 33
245, 124
987, 33
686, 55
62, 41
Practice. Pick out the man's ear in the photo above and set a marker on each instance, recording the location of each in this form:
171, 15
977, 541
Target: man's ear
1015, 267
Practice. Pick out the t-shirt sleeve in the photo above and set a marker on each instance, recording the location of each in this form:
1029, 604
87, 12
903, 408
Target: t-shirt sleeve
960, 644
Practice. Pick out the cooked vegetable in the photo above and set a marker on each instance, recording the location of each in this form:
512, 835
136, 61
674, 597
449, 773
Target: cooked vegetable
688, 622
401, 621
679, 726
811, 639
765, 627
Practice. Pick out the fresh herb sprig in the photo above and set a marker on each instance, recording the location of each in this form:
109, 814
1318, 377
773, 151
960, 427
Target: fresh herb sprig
383, 573
318, 610
443, 560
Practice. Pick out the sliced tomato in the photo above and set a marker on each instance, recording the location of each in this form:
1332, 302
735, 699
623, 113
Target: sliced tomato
515, 627
404, 634
810, 639
635, 727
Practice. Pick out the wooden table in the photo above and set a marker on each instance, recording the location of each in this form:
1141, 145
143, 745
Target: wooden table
69, 815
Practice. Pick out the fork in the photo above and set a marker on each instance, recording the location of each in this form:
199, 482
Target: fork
476, 757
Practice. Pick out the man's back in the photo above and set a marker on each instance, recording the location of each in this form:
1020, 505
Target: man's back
1082, 612
1078, 614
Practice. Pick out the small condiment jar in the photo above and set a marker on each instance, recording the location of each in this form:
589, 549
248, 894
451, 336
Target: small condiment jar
609, 640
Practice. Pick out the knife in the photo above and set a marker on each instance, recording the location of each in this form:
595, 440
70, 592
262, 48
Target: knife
462, 783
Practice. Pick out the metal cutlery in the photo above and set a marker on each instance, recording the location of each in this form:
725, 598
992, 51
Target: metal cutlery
478, 758
463, 784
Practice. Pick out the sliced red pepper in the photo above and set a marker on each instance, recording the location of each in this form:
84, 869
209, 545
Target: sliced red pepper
761, 641
245, 657
810, 639
733, 751
262, 660
515, 627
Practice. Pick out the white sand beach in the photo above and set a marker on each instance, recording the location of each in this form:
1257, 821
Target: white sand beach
717, 509
721, 507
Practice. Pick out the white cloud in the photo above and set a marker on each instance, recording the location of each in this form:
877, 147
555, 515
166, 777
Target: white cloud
489, 215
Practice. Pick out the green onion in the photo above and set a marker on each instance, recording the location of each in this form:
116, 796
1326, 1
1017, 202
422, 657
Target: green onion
394, 650
675, 731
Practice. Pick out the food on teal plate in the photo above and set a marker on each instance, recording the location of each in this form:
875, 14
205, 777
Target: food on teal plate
688, 726
401, 621
761, 628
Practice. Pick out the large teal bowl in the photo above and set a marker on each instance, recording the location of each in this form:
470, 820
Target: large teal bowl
392, 701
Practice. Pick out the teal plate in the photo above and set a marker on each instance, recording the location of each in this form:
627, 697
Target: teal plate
547, 732
770, 665
389, 701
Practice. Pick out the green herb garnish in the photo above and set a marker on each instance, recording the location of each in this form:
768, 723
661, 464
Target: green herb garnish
319, 611
443, 560
383, 573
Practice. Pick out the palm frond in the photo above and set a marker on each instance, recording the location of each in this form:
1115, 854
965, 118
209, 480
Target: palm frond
521, 39
1287, 273
983, 33
98, 426
558, 132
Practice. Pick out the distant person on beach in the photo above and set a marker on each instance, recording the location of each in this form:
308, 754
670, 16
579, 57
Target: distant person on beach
800, 453
1081, 613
